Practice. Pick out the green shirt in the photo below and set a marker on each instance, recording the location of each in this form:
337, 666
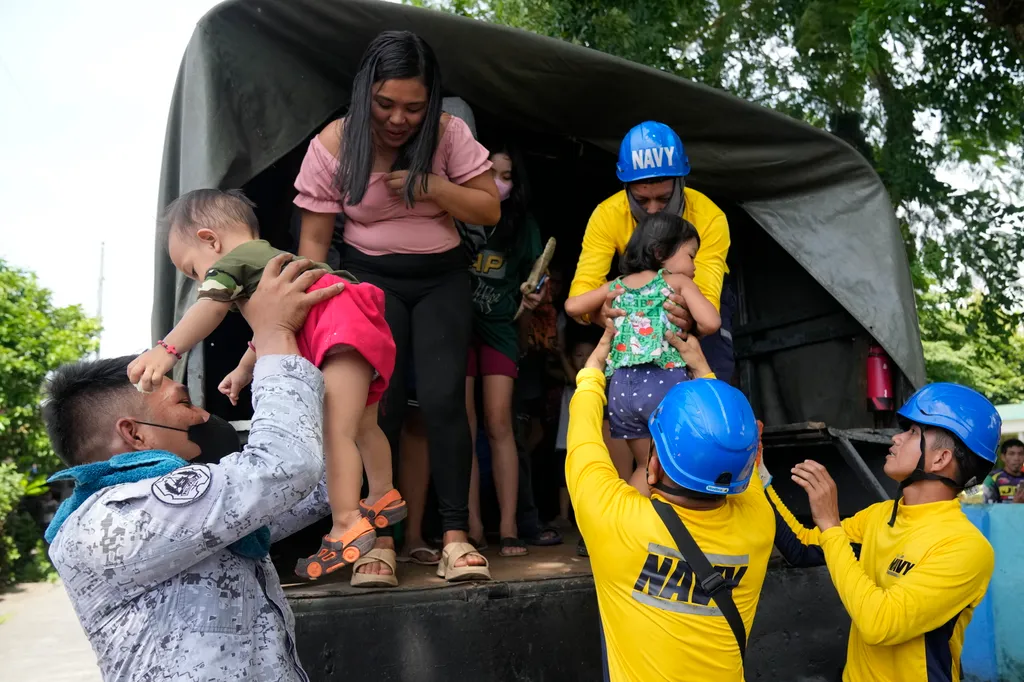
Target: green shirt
502, 265
237, 274
640, 339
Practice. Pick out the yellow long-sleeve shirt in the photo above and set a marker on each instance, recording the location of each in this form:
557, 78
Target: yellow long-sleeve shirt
612, 224
913, 591
658, 625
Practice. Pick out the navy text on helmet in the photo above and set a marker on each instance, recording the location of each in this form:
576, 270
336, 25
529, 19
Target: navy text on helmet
651, 151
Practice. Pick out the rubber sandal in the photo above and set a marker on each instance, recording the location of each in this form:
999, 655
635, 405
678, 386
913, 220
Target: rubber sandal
410, 557
479, 545
512, 543
384, 556
581, 548
449, 571
387, 511
335, 554
538, 540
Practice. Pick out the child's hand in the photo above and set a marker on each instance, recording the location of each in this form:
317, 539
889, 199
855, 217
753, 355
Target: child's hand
147, 371
234, 382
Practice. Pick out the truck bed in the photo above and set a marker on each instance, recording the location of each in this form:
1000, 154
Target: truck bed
537, 621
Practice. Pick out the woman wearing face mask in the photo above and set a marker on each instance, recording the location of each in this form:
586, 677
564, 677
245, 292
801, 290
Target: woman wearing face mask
502, 264
400, 171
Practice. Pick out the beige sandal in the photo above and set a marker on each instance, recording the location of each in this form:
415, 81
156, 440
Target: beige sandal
452, 573
384, 556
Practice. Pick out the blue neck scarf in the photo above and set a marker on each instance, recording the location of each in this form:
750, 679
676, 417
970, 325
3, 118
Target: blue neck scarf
130, 468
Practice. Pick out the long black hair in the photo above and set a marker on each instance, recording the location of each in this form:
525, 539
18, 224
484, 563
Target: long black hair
392, 55
655, 239
514, 209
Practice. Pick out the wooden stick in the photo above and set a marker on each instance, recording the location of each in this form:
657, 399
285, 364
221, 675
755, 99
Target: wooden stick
540, 266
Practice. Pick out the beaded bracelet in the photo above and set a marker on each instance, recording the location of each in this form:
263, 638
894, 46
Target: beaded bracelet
169, 348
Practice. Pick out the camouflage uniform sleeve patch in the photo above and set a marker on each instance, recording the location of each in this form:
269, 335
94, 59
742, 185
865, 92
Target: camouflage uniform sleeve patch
220, 285
182, 486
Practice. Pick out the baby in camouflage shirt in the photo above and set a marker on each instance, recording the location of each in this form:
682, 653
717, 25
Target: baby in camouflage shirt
213, 237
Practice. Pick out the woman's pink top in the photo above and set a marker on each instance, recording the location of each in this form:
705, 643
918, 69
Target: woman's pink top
382, 223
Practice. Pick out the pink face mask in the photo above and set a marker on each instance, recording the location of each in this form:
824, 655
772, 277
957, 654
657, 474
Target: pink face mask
504, 188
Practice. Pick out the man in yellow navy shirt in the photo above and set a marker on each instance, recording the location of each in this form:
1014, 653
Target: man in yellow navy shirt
652, 166
658, 621
923, 566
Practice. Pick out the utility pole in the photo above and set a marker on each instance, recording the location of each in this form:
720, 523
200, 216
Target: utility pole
99, 292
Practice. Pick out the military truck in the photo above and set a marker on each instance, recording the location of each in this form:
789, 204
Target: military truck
817, 260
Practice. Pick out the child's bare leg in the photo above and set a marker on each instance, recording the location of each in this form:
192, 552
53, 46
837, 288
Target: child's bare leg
620, 453
414, 477
347, 377
563, 504
375, 452
641, 450
504, 456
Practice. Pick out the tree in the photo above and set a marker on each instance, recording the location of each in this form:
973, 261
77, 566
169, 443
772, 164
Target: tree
922, 88
35, 338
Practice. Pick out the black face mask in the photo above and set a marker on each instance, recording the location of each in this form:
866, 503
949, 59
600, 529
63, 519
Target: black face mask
675, 205
215, 437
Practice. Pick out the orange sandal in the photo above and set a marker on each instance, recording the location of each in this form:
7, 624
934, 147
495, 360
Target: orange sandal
335, 554
387, 511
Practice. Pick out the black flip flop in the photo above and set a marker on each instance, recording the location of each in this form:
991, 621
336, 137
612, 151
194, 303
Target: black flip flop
581, 548
507, 543
539, 541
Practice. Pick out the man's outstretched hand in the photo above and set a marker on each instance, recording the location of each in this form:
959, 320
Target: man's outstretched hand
278, 308
599, 358
821, 493
691, 352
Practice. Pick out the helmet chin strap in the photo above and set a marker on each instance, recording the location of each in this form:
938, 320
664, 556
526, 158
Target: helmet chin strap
670, 489
919, 474
661, 486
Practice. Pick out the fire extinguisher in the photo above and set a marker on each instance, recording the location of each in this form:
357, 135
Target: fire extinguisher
880, 398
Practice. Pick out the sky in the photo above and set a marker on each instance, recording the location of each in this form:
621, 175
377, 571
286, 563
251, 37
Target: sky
85, 88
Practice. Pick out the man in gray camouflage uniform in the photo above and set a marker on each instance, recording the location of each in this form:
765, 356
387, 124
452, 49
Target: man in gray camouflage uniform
146, 563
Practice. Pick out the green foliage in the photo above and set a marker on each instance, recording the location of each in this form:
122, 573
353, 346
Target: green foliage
920, 87
22, 552
35, 338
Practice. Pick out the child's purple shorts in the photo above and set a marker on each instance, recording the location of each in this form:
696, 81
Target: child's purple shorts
634, 392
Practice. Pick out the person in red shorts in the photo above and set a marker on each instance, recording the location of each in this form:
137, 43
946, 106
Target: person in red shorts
502, 264
213, 237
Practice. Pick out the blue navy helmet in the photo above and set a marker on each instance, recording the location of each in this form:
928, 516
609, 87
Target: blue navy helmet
650, 151
706, 436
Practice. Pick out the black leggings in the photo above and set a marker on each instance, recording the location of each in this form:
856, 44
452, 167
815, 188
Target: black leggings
429, 309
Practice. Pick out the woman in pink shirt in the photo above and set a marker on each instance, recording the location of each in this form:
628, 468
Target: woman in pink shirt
401, 173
